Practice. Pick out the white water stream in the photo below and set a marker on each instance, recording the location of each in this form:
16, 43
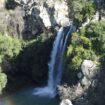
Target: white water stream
56, 64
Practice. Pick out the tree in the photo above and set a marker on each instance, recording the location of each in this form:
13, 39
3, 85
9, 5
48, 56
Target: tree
79, 49
96, 33
82, 10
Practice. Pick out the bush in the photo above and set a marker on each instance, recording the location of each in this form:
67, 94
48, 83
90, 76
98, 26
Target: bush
96, 33
89, 43
79, 49
82, 10
3, 81
9, 49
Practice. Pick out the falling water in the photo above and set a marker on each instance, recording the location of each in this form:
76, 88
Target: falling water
55, 64
60, 66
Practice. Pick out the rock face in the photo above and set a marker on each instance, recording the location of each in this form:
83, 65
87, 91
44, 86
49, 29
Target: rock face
51, 12
88, 78
12, 22
2, 3
27, 18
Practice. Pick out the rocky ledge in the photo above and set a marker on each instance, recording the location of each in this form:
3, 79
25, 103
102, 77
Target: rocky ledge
29, 18
88, 78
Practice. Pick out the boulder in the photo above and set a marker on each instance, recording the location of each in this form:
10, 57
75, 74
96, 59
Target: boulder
2, 4
88, 77
61, 13
66, 102
44, 15
89, 69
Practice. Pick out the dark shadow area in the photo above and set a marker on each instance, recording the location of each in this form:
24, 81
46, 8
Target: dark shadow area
70, 77
24, 22
33, 25
30, 25
30, 68
96, 96
11, 4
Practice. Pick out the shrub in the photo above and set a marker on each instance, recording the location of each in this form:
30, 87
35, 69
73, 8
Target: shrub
89, 43
9, 49
79, 49
3, 81
96, 33
82, 10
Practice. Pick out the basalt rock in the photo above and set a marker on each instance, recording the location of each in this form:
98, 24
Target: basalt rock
88, 78
27, 19
66, 102
11, 22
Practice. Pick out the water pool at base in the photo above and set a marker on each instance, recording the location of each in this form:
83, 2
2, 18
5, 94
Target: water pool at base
26, 97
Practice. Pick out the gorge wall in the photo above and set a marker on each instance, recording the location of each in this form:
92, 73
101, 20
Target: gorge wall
26, 19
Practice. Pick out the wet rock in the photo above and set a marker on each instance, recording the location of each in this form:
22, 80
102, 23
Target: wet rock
81, 101
79, 75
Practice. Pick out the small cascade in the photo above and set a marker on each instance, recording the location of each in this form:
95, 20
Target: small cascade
56, 64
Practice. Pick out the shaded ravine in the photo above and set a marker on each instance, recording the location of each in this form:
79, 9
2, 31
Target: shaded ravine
56, 63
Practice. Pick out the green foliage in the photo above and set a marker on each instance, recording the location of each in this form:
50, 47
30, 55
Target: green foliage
96, 33
9, 47
89, 9
78, 50
75, 39
82, 10
75, 63
3, 81
85, 42
89, 43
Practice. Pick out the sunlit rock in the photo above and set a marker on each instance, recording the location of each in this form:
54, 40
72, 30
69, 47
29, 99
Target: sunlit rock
2, 3
45, 16
66, 102
61, 13
88, 68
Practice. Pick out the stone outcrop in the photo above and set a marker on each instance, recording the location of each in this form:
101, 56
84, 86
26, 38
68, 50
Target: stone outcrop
51, 12
66, 102
2, 3
28, 18
11, 22
88, 78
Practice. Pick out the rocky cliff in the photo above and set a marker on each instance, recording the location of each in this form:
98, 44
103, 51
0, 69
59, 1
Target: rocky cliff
89, 89
29, 18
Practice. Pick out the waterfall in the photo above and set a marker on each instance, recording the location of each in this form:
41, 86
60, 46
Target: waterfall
52, 62
60, 66
56, 64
